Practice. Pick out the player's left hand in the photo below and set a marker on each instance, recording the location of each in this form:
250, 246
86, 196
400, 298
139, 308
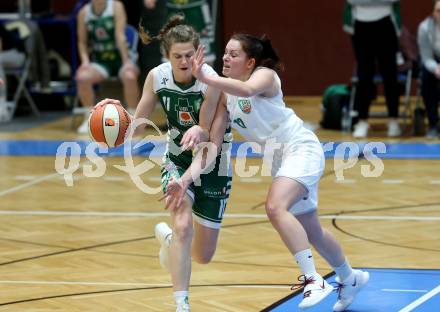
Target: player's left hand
193, 136
197, 63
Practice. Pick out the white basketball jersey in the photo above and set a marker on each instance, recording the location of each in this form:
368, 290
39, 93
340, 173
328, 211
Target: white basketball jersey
260, 118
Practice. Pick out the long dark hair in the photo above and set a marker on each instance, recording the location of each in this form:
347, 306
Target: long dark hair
261, 50
174, 31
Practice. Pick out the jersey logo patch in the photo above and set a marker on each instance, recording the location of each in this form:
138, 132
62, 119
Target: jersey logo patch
245, 105
185, 119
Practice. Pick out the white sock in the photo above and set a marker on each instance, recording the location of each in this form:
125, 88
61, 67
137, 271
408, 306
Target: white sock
344, 270
306, 262
181, 296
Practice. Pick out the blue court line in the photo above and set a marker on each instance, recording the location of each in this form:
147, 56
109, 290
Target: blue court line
387, 290
417, 150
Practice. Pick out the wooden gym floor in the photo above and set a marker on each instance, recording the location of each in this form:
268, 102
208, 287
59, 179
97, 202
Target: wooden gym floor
91, 246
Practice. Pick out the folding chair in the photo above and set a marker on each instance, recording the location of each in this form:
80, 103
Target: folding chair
132, 38
21, 73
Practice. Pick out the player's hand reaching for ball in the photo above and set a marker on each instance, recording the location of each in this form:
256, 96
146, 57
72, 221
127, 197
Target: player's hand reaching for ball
105, 102
110, 101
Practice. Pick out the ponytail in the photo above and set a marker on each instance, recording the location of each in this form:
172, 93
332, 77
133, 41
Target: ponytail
261, 50
174, 31
269, 57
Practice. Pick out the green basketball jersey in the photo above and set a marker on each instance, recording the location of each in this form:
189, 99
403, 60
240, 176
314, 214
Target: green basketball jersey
198, 15
101, 34
181, 104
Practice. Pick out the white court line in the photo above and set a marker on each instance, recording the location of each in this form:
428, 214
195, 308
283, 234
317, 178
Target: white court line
121, 284
421, 300
257, 286
25, 178
84, 283
401, 218
165, 214
406, 290
114, 178
346, 181
392, 181
251, 180
27, 184
434, 182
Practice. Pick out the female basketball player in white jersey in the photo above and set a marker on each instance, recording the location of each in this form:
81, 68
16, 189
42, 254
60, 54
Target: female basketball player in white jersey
257, 110
183, 97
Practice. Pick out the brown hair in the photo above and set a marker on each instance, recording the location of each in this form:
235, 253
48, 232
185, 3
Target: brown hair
261, 50
174, 31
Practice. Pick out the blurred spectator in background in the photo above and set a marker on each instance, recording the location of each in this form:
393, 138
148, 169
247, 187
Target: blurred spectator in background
101, 31
429, 45
198, 14
375, 27
153, 17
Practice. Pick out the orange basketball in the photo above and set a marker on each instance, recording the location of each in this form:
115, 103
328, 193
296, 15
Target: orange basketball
108, 124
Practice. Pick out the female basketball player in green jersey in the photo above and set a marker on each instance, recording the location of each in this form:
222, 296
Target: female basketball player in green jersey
182, 97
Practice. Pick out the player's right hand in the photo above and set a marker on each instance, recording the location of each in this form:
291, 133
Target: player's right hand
105, 102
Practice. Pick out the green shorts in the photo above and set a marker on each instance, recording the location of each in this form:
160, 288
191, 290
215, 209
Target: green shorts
108, 64
209, 198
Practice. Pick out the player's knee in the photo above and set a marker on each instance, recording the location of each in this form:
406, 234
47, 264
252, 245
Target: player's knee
183, 230
274, 209
83, 78
129, 76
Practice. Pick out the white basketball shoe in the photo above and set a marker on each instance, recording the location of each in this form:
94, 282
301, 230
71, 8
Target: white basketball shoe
315, 290
163, 234
349, 288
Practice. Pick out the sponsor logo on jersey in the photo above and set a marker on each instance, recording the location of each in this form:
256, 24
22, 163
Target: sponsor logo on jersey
245, 105
215, 192
185, 119
109, 122
101, 33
